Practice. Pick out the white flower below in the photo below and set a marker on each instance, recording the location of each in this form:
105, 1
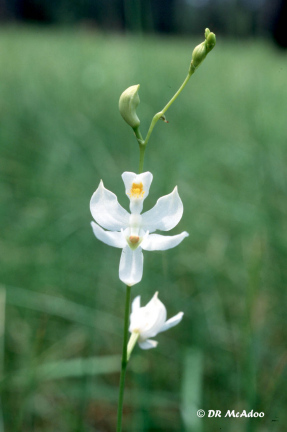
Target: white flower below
146, 322
132, 232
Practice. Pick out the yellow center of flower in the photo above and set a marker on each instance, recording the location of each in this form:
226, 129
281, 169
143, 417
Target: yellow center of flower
137, 190
134, 239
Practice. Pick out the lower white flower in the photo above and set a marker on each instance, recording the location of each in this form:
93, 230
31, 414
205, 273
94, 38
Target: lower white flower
146, 322
132, 231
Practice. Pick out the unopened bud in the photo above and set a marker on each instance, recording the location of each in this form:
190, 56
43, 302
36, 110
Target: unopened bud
199, 54
128, 103
201, 51
210, 41
206, 33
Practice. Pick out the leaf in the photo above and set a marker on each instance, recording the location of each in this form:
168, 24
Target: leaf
192, 390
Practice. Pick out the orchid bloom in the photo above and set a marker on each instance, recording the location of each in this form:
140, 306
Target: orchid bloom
148, 321
132, 232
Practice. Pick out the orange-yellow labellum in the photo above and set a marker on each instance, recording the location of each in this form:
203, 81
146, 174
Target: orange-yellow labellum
134, 239
137, 190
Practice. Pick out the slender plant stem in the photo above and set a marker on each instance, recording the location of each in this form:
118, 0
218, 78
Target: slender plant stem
142, 152
142, 148
161, 113
141, 141
2, 337
124, 359
138, 135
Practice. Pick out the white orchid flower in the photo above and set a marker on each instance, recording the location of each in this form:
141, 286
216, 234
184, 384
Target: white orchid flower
132, 232
148, 321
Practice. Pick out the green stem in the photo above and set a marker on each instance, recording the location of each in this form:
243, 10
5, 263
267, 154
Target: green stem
142, 152
161, 113
157, 116
124, 359
2, 342
142, 148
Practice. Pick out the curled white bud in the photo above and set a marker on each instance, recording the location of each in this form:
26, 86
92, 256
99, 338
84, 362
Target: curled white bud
128, 103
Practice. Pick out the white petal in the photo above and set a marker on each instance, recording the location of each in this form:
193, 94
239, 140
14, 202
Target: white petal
159, 242
165, 215
106, 210
131, 266
137, 320
136, 304
136, 201
148, 344
111, 238
172, 322
154, 318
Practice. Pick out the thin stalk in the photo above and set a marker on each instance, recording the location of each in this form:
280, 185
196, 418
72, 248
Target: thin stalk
161, 113
124, 359
142, 148
142, 152
157, 116
2, 337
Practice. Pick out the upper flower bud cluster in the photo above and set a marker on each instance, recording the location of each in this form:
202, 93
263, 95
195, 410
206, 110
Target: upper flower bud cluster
201, 50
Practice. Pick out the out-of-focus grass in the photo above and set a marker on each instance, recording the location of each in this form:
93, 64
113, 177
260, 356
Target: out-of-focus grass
225, 147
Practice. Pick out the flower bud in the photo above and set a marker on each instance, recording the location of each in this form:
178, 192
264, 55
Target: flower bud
206, 33
210, 41
199, 54
201, 51
148, 321
128, 103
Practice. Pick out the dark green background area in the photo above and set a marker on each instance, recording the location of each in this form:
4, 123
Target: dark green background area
225, 148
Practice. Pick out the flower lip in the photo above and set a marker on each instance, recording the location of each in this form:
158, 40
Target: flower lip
134, 239
137, 190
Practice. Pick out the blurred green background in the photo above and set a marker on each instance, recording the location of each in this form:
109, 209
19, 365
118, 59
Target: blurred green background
61, 301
